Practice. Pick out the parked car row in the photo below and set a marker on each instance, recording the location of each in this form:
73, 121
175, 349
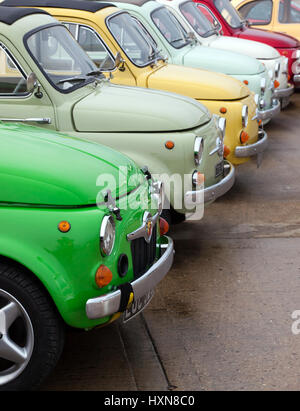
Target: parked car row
117, 120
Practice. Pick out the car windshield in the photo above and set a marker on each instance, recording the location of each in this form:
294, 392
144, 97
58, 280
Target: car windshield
132, 37
170, 27
229, 13
61, 58
196, 19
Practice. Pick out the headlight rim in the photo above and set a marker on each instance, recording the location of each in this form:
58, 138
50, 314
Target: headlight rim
245, 115
104, 224
198, 150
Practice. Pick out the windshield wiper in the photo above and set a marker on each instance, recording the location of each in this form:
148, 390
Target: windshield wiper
72, 79
95, 73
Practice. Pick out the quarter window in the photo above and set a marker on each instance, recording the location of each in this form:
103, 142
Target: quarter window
12, 80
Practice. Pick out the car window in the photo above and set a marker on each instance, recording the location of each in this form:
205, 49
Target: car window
258, 12
197, 20
12, 80
92, 45
210, 16
289, 11
229, 13
170, 27
60, 57
133, 39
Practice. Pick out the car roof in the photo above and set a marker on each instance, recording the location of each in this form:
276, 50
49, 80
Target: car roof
135, 2
10, 15
91, 6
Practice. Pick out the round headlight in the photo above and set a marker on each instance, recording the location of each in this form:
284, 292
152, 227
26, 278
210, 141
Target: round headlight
158, 193
245, 116
107, 235
198, 150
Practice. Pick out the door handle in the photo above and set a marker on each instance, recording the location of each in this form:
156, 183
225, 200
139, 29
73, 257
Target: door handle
28, 120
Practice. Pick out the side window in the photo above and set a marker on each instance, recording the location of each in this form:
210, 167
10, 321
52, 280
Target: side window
92, 45
258, 12
12, 80
210, 17
289, 11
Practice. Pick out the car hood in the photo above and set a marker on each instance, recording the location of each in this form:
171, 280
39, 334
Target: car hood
196, 83
274, 39
40, 167
222, 61
125, 109
250, 48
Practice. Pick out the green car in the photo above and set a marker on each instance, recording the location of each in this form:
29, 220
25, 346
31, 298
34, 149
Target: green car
71, 253
181, 47
47, 79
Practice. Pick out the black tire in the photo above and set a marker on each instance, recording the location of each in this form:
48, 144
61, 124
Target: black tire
37, 327
172, 217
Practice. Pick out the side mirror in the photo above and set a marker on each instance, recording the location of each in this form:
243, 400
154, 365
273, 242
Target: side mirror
119, 62
32, 84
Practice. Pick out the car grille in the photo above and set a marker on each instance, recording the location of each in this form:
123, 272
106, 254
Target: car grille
143, 254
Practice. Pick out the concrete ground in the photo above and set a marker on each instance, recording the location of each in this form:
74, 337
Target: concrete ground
222, 318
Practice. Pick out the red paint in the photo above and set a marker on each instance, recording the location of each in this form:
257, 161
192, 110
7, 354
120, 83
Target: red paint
285, 44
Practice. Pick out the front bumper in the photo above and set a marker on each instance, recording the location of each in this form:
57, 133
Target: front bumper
253, 149
271, 112
296, 79
284, 92
217, 190
109, 304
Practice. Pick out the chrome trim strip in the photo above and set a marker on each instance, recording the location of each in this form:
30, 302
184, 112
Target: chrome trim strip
109, 304
296, 78
255, 148
28, 120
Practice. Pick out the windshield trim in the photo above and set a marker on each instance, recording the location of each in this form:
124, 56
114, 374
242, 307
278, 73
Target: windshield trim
209, 33
150, 62
233, 27
25, 42
164, 7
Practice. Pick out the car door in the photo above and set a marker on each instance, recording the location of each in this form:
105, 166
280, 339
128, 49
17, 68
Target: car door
93, 44
16, 103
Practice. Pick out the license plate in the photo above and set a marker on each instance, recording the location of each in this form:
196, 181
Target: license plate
137, 306
220, 169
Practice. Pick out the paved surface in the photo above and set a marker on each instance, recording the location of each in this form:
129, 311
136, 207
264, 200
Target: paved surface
221, 319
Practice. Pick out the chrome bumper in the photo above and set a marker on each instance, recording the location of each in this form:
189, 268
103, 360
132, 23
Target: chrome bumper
253, 149
217, 190
296, 78
285, 92
271, 112
109, 304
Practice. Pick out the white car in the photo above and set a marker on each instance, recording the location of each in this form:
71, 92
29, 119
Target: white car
196, 23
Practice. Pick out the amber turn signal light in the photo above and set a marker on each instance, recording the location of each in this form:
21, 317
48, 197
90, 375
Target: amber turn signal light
103, 276
64, 226
223, 110
276, 84
163, 226
169, 145
226, 151
244, 137
246, 82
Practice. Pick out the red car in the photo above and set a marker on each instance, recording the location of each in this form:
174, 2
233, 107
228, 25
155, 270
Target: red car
228, 22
